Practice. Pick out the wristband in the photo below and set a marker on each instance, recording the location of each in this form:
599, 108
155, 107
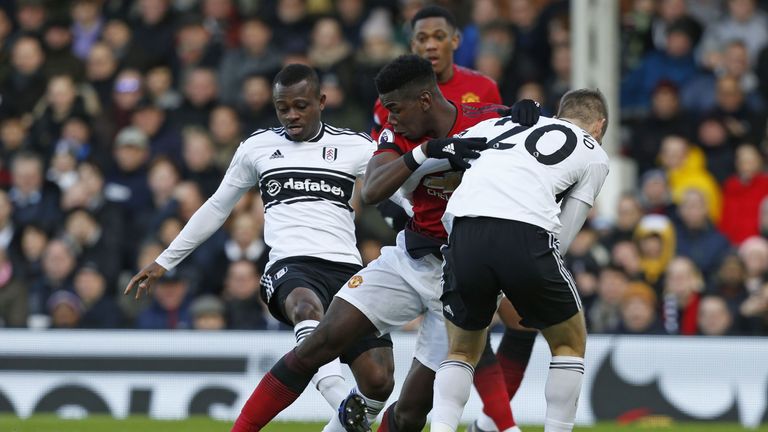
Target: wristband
414, 158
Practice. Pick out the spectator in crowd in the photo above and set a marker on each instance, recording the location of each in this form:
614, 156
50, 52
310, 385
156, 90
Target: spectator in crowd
585, 257
728, 282
331, 54
697, 238
715, 318
31, 16
655, 238
87, 25
222, 21
637, 25
254, 57
244, 308
65, 310
8, 230
559, 82
626, 255
100, 311
742, 195
685, 167
34, 240
604, 315
199, 163
638, 311
226, 132
160, 88
118, 36
718, 145
13, 292
674, 63
683, 285
94, 244
291, 25
741, 121
126, 95
754, 253
164, 137
754, 310
34, 200
744, 22
13, 138
163, 178
352, 15
26, 82
127, 183
199, 98
153, 30
58, 265
245, 242
57, 39
194, 48
629, 211
669, 12
256, 110
208, 313
761, 71
170, 307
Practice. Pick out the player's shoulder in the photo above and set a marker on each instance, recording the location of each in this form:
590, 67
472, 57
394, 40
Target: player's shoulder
347, 135
264, 136
471, 74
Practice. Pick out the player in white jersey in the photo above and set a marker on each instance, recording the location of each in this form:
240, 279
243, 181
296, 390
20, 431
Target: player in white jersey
516, 210
306, 172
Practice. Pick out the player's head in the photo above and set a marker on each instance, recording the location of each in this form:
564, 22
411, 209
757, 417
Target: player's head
298, 102
588, 108
435, 37
407, 88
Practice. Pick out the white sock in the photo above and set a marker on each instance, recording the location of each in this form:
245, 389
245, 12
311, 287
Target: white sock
374, 406
562, 392
453, 383
334, 425
485, 423
328, 379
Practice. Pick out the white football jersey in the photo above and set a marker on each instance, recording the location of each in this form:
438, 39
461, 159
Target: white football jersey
527, 171
306, 188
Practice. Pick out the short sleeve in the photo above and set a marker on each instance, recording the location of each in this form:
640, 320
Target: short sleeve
590, 183
242, 171
388, 141
366, 156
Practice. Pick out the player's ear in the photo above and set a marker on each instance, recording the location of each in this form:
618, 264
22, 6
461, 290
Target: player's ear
456, 39
322, 101
425, 100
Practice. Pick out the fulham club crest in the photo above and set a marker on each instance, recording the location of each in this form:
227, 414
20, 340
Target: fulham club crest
330, 154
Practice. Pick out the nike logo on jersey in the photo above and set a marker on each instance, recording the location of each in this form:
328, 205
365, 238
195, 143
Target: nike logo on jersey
276, 155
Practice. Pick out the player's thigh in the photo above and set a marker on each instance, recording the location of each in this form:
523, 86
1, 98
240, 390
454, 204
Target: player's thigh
568, 338
536, 282
383, 293
470, 289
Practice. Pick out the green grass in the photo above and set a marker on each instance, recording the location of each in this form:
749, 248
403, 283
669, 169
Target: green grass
199, 424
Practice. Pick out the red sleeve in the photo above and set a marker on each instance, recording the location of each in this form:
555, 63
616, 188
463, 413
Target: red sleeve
389, 142
492, 94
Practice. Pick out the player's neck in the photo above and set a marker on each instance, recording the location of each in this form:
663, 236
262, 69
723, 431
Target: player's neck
444, 115
446, 75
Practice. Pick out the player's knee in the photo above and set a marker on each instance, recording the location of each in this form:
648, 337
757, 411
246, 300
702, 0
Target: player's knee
306, 310
378, 383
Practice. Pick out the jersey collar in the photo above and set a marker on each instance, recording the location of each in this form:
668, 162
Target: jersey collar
316, 138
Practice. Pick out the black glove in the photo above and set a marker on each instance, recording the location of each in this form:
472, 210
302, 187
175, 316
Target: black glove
525, 112
456, 150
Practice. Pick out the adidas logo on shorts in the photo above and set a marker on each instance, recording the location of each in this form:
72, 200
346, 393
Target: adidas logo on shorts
447, 309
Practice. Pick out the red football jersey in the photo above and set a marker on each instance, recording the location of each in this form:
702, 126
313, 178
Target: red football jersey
465, 86
431, 195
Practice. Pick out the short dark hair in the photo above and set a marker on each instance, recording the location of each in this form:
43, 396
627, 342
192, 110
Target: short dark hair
587, 105
403, 71
434, 11
296, 73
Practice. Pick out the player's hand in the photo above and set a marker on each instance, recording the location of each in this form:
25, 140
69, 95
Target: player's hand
142, 281
525, 112
456, 150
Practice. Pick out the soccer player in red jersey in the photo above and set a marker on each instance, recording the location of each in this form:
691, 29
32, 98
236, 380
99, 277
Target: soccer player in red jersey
435, 38
404, 282
497, 377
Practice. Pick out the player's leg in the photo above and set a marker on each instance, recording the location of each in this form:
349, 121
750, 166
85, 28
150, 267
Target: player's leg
453, 380
304, 309
342, 324
373, 366
409, 412
489, 382
567, 342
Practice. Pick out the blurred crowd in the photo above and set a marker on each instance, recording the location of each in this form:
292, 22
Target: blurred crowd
118, 119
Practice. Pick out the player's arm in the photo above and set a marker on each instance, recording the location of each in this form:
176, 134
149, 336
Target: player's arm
573, 213
385, 173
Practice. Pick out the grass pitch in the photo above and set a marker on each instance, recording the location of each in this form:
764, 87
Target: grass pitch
143, 424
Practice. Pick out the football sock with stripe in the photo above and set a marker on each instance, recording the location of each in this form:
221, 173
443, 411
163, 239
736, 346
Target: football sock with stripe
328, 379
489, 382
388, 423
453, 383
279, 388
513, 354
562, 392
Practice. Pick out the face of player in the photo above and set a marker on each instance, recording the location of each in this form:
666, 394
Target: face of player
406, 114
298, 109
436, 40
